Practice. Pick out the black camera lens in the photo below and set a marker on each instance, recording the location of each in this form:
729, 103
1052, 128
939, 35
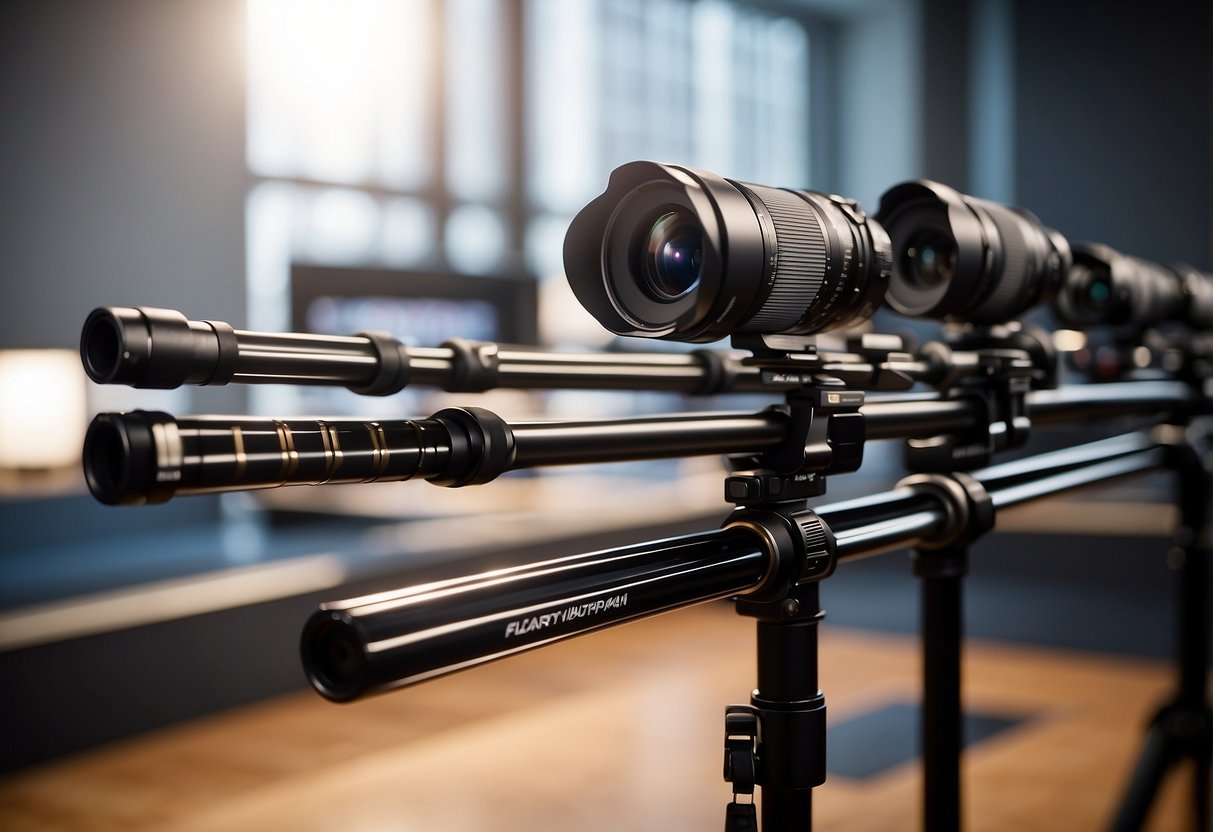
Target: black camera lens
962, 258
672, 255
1107, 287
929, 259
1089, 294
673, 252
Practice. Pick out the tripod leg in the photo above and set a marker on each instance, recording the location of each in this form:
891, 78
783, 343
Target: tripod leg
1184, 728
1200, 792
1197, 727
1155, 760
790, 708
942, 573
786, 809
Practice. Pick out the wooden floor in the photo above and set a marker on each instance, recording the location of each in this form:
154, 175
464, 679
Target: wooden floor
620, 730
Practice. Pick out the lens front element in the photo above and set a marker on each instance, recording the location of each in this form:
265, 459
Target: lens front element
930, 259
672, 256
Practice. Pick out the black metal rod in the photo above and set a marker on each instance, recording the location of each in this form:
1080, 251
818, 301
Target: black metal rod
149, 457
143, 457
1183, 728
1006, 474
919, 418
942, 715
1120, 466
161, 348
377, 642
646, 437
359, 646
887, 534
786, 696
1073, 403
942, 718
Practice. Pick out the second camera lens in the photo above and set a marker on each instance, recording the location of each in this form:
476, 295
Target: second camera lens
930, 259
967, 259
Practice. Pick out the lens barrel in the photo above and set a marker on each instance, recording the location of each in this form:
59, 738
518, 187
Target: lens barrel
961, 258
678, 253
1107, 287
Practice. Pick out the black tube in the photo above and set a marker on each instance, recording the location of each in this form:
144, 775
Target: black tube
1006, 474
147, 457
646, 437
378, 642
161, 348
888, 534
942, 728
1072, 403
790, 707
1120, 466
363, 645
942, 617
919, 418
144, 457
298, 358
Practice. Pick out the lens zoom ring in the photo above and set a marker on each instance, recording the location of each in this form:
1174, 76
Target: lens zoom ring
800, 261
1006, 291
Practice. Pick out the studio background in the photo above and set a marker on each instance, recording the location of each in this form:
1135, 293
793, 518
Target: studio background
188, 154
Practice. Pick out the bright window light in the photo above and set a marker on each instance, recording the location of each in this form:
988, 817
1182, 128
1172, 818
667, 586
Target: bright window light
340, 92
42, 409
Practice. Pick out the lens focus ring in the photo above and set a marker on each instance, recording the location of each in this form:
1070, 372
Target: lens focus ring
1016, 266
801, 259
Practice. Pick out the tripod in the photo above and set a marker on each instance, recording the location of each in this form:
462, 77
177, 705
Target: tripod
1182, 729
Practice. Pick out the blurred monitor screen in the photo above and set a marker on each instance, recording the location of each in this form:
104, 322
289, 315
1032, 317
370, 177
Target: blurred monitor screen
419, 308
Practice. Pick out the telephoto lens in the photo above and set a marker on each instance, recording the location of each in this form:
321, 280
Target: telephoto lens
1107, 287
956, 257
678, 253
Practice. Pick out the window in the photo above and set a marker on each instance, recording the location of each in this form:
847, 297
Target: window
462, 136
712, 84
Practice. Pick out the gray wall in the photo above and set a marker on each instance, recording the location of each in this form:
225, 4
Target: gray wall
122, 171
1114, 106
1095, 114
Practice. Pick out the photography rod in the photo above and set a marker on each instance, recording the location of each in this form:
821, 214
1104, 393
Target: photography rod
1075, 402
161, 348
645, 437
1006, 474
1119, 466
149, 457
351, 648
364, 645
918, 417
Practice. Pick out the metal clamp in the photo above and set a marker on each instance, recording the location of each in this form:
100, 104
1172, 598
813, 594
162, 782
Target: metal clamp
967, 504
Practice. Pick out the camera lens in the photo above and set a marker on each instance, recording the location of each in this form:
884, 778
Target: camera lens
1107, 287
672, 253
678, 253
929, 259
1090, 293
962, 258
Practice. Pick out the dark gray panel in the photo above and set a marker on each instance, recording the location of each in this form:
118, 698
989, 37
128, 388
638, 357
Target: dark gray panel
1113, 123
122, 159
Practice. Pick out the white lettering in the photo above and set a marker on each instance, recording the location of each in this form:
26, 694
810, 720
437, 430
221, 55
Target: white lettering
523, 626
